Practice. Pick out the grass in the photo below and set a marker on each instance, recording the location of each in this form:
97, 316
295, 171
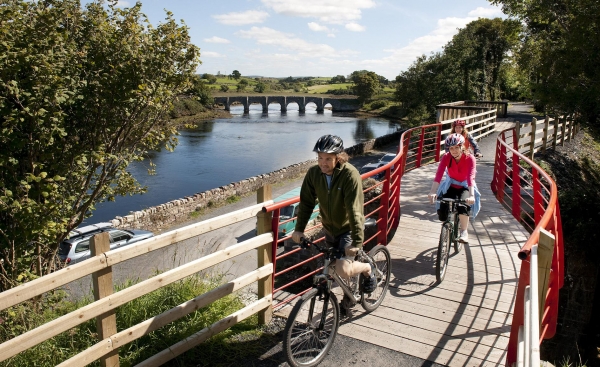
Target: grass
322, 89
26, 316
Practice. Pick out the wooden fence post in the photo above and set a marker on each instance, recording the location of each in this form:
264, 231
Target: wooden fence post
532, 143
555, 132
545, 137
564, 130
265, 254
106, 324
545, 254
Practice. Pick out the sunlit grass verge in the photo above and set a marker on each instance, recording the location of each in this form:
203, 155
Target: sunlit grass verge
18, 319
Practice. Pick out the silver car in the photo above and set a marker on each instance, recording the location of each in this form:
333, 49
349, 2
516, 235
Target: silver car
77, 247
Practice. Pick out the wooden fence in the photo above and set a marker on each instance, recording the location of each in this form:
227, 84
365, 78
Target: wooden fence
453, 110
105, 304
541, 135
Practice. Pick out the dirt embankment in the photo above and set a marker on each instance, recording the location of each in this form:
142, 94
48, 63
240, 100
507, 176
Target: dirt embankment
576, 169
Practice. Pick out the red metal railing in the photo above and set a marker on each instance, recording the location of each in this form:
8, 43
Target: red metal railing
532, 196
418, 146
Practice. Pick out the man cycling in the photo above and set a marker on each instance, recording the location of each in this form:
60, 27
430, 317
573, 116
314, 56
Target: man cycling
338, 187
459, 183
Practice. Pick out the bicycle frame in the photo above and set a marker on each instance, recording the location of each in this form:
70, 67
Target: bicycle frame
327, 278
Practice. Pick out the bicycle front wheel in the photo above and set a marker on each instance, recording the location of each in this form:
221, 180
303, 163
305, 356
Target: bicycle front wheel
457, 244
383, 261
311, 329
443, 252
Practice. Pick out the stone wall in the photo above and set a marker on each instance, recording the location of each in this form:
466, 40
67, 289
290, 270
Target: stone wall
158, 218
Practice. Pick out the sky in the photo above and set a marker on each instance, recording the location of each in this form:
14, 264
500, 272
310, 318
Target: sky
281, 38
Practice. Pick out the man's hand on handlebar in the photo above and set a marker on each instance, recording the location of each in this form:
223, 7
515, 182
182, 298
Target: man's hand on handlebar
297, 236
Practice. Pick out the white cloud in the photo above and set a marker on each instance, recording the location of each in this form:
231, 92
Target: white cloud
122, 4
327, 11
216, 39
401, 58
355, 27
211, 54
242, 18
480, 12
272, 37
330, 35
317, 27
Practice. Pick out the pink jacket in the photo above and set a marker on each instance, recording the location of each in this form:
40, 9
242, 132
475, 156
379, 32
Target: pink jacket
463, 170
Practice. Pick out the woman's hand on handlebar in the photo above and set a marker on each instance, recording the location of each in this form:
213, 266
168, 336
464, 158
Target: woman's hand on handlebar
478, 155
470, 200
297, 236
432, 197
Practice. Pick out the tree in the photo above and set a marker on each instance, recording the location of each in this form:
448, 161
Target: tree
236, 75
83, 92
561, 53
366, 85
241, 85
224, 87
338, 79
260, 87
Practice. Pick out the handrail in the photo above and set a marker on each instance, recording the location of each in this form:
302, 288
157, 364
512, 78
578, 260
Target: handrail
542, 217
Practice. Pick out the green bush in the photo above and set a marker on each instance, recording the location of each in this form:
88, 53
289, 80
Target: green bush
186, 107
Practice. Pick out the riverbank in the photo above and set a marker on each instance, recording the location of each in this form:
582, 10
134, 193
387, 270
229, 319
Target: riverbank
163, 217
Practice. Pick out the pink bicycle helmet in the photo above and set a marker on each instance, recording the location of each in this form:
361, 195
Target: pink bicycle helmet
459, 123
454, 139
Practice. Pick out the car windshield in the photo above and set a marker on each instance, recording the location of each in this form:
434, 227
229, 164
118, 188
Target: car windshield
288, 211
64, 248
387, 158
367, 169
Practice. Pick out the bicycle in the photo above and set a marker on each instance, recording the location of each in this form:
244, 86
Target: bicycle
313, 322
449, 233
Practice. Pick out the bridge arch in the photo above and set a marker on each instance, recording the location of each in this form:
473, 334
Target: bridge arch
299, 100
277, 99
262, 100
242, 100
316, 100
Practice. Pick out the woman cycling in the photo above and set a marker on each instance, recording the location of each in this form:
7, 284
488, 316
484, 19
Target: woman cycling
458, 184
458, 127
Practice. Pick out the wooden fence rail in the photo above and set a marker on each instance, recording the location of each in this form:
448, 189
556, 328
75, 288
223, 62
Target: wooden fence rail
541, 135
105, 304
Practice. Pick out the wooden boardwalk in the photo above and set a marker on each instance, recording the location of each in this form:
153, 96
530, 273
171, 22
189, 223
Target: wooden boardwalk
465, 320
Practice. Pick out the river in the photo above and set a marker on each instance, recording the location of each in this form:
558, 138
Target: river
222, 151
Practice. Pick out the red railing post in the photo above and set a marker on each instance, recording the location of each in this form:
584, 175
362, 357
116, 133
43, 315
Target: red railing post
382, 226
538, 199
420, 149
438, 142
516, 187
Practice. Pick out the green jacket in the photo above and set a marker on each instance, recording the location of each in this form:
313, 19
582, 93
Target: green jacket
341, 207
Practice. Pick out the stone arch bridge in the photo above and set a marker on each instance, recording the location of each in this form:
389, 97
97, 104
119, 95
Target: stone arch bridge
337, 104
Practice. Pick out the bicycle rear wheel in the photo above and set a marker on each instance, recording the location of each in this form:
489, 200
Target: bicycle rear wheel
383, 261
443, 252
311, 329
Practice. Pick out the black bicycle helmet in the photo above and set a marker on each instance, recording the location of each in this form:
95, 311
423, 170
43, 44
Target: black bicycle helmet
329, 144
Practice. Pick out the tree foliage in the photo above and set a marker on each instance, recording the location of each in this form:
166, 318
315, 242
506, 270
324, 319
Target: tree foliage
241, 85
474, 65
366, 84
83, 92
561, 53
236, 75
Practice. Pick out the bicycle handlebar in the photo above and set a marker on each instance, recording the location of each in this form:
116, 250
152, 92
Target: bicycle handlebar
450, 200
